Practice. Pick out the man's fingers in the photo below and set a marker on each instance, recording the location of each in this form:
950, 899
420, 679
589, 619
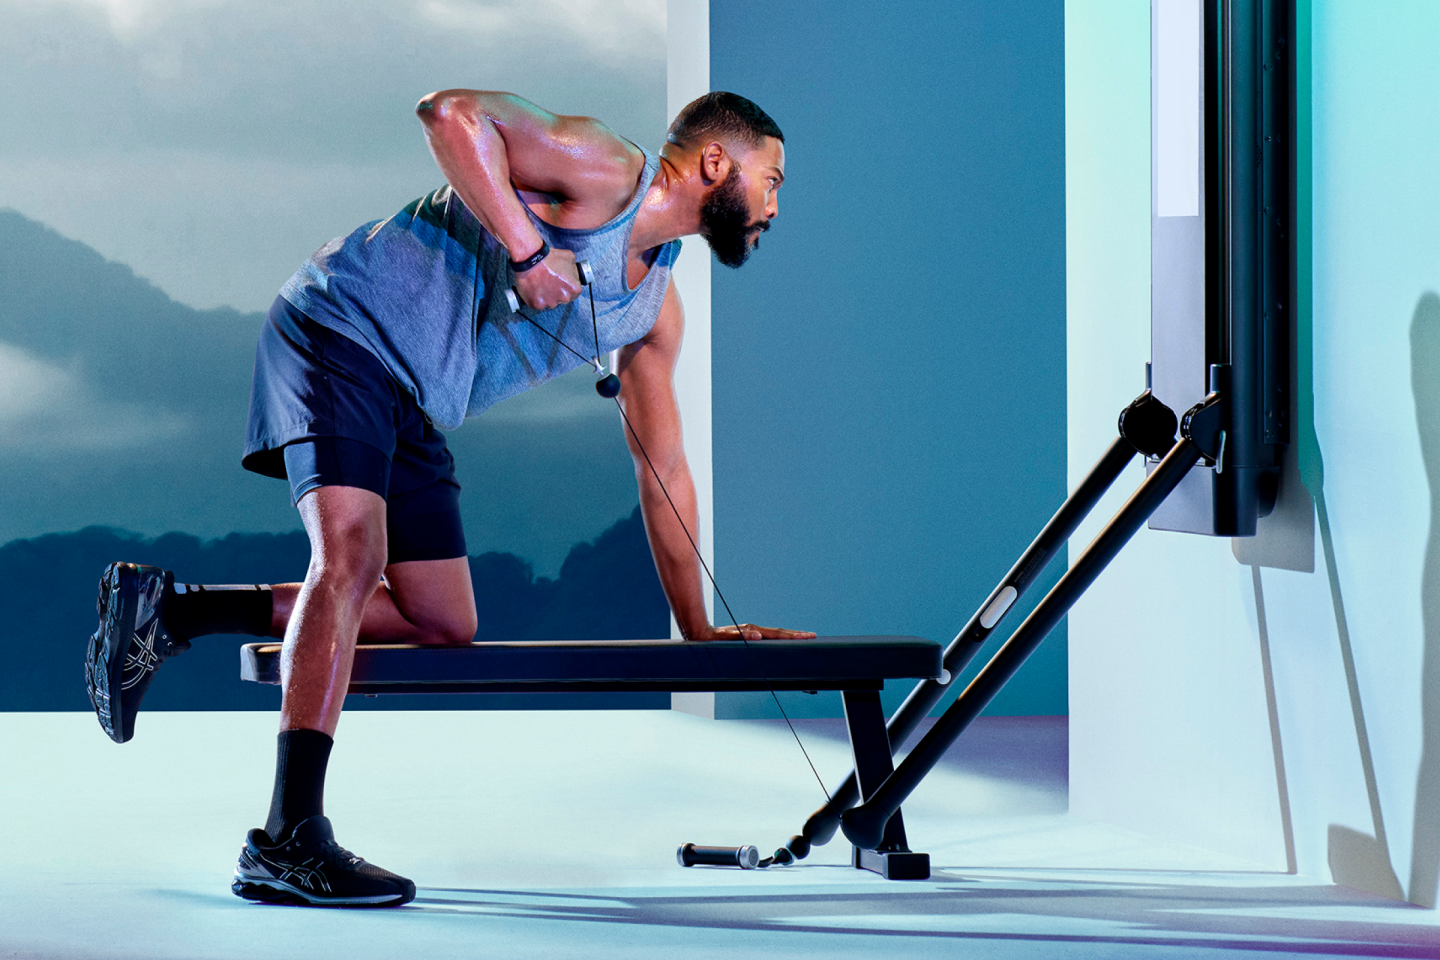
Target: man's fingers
545, 293
751, 632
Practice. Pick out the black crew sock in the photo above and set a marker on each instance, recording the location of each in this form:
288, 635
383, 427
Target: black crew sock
194, 610
300, 760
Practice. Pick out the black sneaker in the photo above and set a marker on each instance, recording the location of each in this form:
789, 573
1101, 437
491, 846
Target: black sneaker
311, 869
130, 643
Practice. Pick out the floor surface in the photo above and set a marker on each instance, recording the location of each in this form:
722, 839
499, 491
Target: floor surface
554, 835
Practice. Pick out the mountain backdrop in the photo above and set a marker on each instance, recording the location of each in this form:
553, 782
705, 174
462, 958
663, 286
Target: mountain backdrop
607, 589
122, 407
122, 413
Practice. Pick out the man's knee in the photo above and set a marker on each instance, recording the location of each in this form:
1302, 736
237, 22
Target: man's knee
449, 626
354, 561
458, 627
347, 538
436, 598
356, 571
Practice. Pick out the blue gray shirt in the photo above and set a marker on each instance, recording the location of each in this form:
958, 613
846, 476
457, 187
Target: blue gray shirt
424, 292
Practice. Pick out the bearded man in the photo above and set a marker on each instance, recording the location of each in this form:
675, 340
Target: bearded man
403, 328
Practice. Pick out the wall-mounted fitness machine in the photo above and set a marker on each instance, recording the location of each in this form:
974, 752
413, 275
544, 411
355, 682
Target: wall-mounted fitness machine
1222, 286
1221, 254
1222, 172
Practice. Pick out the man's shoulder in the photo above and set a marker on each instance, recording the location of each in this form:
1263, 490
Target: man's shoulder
609, 171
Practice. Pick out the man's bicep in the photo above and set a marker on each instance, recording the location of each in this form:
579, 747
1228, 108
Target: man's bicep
654, 355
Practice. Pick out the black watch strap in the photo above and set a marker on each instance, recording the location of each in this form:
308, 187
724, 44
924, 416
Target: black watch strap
532, 261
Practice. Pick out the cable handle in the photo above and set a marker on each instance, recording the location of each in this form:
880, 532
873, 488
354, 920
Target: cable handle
691, 854
587, 277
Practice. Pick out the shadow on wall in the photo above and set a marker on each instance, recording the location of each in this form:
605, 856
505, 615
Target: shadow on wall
1286, 541
1425, 382
1358, 860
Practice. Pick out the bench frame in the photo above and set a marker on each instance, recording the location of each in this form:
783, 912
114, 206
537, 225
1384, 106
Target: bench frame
856, 666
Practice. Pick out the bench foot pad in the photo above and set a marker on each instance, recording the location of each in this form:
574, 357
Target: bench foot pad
893, 864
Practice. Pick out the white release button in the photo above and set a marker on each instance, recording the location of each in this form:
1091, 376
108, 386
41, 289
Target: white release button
992, 614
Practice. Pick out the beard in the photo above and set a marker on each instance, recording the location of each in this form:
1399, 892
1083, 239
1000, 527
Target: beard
725, 222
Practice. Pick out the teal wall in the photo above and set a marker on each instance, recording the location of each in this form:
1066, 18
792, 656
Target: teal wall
1276, 698
889, 379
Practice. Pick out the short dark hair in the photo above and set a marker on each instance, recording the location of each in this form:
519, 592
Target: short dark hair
722, 116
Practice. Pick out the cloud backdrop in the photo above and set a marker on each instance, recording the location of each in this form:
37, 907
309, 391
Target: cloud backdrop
205, 148
213, 144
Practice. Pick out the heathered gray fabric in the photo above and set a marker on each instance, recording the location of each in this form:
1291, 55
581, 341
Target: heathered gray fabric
407, 290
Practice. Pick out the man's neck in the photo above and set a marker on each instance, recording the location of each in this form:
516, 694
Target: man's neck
671, 208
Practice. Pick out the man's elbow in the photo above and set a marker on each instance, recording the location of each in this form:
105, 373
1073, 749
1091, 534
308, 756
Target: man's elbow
446, 105
660, 472
434, 107
443, 105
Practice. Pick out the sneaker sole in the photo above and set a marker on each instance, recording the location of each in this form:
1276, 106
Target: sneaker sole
117, 625
278, 891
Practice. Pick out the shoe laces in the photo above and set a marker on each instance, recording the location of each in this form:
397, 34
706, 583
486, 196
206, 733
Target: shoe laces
334, 850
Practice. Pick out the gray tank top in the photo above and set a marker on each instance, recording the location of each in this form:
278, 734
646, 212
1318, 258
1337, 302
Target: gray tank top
424, 292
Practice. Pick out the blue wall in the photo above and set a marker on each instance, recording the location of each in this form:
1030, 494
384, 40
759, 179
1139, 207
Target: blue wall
890, 367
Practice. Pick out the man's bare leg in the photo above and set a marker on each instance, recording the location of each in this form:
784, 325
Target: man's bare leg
342, 601
144, 621
342, 590
346, 526
421, 601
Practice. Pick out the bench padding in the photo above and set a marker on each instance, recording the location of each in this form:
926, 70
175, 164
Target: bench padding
824, 663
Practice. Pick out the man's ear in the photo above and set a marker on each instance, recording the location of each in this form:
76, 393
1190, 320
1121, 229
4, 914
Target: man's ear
714, 162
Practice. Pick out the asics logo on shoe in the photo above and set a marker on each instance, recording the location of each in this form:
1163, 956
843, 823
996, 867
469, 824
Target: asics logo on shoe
141, 657
308, 874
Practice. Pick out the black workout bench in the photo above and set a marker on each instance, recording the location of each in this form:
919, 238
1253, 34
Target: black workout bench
856, 666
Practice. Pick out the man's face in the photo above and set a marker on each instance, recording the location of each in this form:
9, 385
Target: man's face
740, 207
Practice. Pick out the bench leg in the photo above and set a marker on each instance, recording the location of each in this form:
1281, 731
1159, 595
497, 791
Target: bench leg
870, 746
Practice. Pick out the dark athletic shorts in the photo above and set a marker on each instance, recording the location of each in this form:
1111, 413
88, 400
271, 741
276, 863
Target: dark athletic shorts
324, 411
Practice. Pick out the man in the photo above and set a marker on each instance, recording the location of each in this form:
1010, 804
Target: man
402, 326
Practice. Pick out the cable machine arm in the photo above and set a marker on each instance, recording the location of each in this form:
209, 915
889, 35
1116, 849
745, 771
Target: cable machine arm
1202, 437
1146, 426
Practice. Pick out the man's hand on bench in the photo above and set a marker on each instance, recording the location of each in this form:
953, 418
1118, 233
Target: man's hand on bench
751, 632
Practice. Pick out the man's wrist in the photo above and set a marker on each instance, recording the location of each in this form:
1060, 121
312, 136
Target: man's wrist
532, 261
691, 631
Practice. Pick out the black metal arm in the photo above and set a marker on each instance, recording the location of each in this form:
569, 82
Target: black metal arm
865, 825
1146, 426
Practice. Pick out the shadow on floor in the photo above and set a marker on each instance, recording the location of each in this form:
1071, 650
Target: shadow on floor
1032, 751
1000, 907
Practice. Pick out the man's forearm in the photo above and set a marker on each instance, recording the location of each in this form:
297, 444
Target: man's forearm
676, 561
471, 152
